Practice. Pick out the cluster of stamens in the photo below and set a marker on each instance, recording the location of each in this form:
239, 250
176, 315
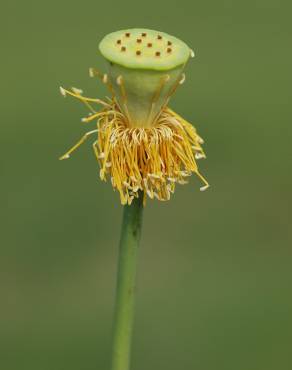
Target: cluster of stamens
140, 41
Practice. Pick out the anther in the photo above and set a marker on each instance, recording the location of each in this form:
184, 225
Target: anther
77, 91
183, 78
139, 41
62, 91
123, 48
199, 155
128, 34
169, 50
105, 78
149, 45
138, 52
119, 80
158, 53
200, 140
144, 34
203, 188
119, 42
169, 43
159, 37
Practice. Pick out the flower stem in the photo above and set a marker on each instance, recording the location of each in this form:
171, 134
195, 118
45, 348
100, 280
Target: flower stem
124, 311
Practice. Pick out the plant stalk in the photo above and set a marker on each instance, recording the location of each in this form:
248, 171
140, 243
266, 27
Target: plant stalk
125, 295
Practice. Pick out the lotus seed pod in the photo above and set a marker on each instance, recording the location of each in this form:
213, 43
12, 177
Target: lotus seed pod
142, 146
145, 67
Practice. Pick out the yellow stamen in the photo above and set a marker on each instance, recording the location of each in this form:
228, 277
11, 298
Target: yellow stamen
152, 159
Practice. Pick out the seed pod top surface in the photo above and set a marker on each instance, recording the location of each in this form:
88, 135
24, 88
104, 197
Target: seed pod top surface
140, 48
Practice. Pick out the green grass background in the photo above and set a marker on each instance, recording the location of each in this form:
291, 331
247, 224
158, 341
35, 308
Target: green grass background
214, 280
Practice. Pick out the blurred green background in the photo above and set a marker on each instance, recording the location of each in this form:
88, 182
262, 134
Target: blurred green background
214, 280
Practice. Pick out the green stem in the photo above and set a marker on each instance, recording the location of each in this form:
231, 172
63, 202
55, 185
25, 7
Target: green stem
124, 312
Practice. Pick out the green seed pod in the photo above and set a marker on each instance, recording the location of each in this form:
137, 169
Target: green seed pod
145, 67
142, 146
